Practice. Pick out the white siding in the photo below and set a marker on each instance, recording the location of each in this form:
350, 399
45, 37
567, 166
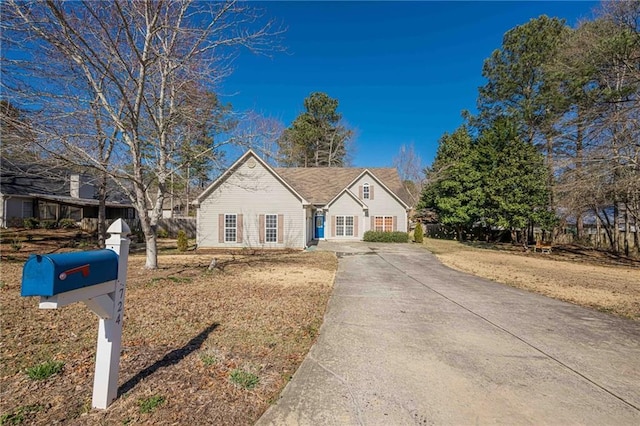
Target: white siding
345, 205
382, 204
251, 192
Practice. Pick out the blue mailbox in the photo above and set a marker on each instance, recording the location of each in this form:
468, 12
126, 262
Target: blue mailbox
51, 274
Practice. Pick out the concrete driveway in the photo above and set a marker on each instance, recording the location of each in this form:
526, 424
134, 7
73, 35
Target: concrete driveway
408, 341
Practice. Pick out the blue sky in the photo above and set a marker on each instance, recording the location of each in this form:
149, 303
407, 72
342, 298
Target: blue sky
402, 71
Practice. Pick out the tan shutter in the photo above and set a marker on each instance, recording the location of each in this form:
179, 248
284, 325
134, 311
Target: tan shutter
360, 192
373, 223
239, 228
371, 192
395, 223
261, 230
355, 226
333, 226
221, 228
280, 228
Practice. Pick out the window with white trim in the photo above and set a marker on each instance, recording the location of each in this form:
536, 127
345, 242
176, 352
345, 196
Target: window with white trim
344, 226
271, 228
365, 191
383, 223
230, 228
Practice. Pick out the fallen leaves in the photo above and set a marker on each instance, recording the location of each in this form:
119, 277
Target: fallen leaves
256, 313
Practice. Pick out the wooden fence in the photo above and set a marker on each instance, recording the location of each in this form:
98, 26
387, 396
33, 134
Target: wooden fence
166, 227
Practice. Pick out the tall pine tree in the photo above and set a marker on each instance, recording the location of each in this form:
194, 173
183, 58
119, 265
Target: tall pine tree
317, 137
453, 187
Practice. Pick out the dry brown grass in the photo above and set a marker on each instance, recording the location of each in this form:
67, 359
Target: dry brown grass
584, 277
185, 330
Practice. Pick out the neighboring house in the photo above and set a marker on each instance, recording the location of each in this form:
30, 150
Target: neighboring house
255, 205
31, 191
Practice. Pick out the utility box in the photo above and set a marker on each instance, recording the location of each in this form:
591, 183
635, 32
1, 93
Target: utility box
51, 274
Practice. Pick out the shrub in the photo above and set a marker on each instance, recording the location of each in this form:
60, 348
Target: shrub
183, 241
68, 223
162, 233
31, 222
44, 370
418, 234
386, 237
48, 224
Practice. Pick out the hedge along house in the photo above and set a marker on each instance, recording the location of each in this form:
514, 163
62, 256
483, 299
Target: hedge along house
255, 205
51, 195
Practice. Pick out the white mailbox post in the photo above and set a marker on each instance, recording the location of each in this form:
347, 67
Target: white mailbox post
105, 382
98, 279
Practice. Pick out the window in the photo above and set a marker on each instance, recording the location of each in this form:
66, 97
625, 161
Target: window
365, 191
71, 212
271, 228
230, 228
348, 226
344, 226
383, 223
48, 211
27, 208
75, 213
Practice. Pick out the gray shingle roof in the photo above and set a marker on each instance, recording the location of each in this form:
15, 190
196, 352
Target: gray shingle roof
41, 179
319, 185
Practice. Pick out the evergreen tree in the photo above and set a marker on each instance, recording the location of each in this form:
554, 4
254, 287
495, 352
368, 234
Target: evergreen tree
316, 138
453, 183
514, 180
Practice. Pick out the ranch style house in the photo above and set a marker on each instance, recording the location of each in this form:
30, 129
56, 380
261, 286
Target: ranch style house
255, 205
49, 194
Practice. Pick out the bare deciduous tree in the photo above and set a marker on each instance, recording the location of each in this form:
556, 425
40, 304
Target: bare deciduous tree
411, 170
129, 64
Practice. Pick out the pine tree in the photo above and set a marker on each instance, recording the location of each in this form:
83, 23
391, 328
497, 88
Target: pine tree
316, 138
453, 183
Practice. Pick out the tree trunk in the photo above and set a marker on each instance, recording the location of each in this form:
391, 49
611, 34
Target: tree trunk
616, 228
607, 229
102, 211
627, 231
598, 230
152, 251
523, 238
579, 226
151, 241
579, 164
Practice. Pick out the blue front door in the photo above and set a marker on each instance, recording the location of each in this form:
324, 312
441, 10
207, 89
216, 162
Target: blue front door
319, 226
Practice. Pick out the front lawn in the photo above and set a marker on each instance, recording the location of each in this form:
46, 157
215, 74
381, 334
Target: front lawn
199, 346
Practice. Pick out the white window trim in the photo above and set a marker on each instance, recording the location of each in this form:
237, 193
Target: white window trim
366, 191
272, 228
344, 226
384, 220
235, 228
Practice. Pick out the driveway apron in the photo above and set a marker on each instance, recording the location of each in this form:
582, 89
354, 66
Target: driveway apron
408, 341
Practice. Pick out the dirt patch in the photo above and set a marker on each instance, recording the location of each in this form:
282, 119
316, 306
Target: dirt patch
186, 331
584, 277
